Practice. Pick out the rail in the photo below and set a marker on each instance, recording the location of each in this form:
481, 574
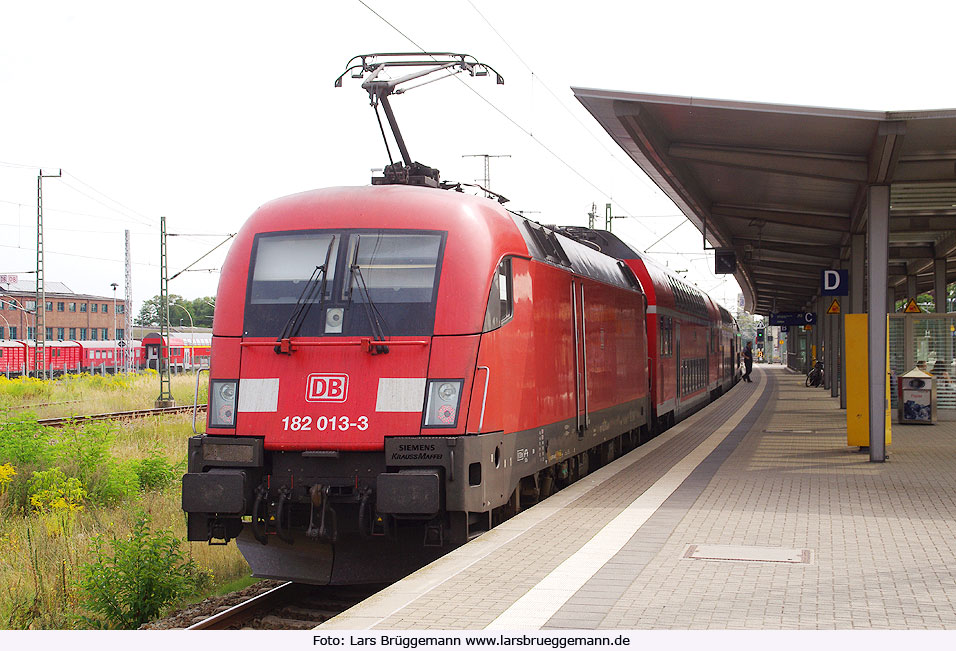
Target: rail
243, 611
117, 415
289, 606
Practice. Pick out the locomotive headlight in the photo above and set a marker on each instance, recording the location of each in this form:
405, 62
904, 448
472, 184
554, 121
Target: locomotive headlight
227, 391
442, 400
447, 391
222, 403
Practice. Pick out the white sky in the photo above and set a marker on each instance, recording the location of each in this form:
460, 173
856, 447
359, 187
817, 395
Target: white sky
202, 111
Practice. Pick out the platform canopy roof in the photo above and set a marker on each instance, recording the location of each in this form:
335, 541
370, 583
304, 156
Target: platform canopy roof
786, 186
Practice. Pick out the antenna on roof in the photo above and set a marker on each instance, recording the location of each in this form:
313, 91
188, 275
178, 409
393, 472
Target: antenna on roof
423, 65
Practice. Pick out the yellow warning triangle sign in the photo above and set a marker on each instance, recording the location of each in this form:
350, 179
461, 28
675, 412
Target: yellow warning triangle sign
912, 307
834, 307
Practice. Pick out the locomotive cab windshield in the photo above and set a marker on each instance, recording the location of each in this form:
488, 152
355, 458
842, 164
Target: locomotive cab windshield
393, 275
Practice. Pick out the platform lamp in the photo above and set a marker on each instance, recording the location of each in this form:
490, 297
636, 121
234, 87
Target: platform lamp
115, 338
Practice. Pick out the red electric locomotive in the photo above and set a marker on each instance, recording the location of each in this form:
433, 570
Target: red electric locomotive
396, 367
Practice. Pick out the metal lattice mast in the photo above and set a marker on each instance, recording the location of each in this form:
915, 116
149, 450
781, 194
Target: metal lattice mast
128, 311
39, 314
165, 398
486, 181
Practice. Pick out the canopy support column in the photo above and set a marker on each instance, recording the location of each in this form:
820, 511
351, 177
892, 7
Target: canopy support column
878, 242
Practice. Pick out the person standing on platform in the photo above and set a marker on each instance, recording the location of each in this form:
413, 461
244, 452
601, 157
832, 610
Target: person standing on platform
748, 362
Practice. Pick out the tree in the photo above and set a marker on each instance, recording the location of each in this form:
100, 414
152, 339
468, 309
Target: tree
200, 309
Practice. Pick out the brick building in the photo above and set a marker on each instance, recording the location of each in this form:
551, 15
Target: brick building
80, 317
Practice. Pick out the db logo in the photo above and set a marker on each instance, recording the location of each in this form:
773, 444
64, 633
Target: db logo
327, 387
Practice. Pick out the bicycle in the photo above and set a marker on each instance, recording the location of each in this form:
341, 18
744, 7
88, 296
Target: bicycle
815, 376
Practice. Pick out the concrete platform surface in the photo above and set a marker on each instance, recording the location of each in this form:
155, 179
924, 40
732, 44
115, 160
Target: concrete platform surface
751, 514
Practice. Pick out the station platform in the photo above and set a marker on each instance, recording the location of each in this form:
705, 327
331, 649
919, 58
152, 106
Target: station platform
751, 514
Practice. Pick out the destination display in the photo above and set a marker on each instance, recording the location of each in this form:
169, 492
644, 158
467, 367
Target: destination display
793, 318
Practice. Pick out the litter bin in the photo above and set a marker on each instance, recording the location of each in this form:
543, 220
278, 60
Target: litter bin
916, 403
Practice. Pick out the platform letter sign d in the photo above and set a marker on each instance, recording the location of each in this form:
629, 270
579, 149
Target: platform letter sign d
834, 282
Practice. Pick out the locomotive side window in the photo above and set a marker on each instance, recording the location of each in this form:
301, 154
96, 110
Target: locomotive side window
500, 299
284, 264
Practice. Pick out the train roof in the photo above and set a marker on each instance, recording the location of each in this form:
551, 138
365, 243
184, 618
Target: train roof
686, 295
182, 338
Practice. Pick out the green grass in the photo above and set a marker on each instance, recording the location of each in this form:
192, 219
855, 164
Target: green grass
123, 468
80, 395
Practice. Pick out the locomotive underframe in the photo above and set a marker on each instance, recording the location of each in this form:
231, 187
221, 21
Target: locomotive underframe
422, 497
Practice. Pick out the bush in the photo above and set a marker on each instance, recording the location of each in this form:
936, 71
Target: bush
25, 387
142, 576
115, 481
56, 498
155, 472
83, 449
23, 441
51, 490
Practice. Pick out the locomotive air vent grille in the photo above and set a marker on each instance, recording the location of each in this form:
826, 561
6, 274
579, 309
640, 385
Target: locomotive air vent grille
747, 554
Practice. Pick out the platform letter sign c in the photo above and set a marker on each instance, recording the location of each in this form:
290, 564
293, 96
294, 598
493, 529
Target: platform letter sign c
834, 282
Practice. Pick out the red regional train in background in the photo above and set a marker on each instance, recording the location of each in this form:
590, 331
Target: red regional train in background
183, 352
396, 369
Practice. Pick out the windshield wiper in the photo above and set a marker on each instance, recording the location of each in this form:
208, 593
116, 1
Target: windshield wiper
375, 318
302, 306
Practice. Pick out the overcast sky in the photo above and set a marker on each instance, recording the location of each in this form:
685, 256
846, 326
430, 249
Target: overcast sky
202, 111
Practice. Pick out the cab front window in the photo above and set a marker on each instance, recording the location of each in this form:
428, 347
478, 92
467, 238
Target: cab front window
376, 283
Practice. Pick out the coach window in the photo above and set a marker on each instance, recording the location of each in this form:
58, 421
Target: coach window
500, 299
666, 334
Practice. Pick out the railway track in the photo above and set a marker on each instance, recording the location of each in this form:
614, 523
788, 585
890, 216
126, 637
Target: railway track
119, 415
289, 606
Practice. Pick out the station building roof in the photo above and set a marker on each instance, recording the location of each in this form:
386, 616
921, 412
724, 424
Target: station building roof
785, 186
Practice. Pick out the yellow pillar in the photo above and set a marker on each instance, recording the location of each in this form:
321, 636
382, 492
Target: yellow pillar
857, 393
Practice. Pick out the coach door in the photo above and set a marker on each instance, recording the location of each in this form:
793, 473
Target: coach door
152, 356
580, 357
678, 369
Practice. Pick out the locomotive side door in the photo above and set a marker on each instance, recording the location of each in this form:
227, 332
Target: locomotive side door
580, 357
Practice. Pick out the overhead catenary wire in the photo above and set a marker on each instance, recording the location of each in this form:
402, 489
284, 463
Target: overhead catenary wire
517, 125
231, 235
587, 130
